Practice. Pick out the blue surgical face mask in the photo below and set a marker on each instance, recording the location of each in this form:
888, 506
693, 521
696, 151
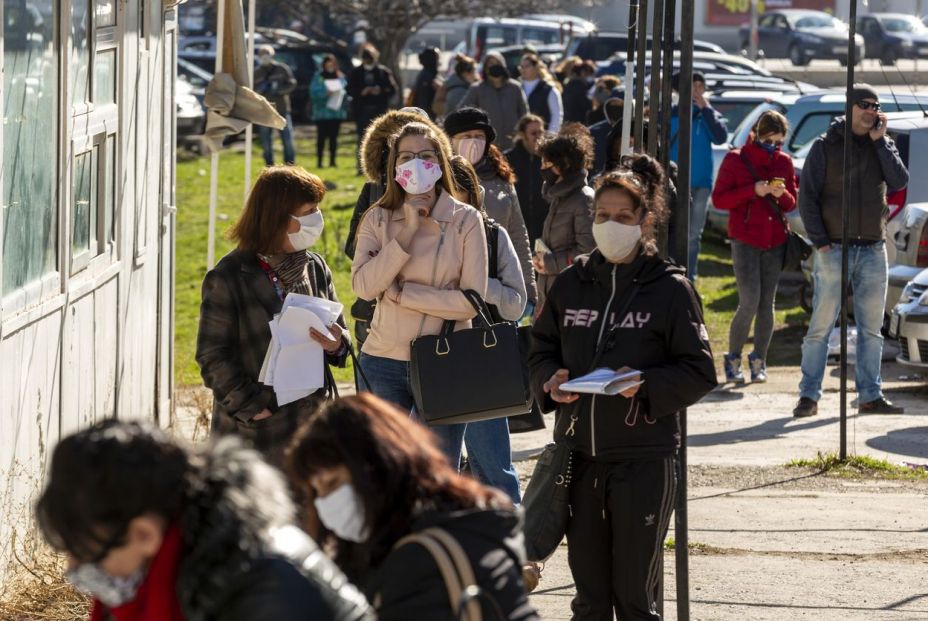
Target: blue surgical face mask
768, 147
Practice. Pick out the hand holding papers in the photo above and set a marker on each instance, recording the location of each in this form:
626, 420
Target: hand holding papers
336, 94
294, 364
604, 382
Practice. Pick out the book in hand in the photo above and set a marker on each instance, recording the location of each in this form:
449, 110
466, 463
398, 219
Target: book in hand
604, 382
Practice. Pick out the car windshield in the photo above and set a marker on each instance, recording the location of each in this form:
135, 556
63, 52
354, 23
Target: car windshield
903, 23
801, 22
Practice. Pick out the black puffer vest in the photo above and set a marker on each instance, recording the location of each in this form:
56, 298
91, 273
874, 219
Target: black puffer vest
867, 207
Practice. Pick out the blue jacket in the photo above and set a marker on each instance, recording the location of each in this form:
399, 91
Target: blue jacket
708, 127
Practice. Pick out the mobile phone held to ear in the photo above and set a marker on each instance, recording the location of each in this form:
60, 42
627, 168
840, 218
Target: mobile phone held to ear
878, 123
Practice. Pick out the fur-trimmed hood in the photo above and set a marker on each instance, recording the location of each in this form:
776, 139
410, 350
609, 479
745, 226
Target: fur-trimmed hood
374, 147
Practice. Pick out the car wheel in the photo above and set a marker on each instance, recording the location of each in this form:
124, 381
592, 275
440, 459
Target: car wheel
842, 60
888, 57
797, 56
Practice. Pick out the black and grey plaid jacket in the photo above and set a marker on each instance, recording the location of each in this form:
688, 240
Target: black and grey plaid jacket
238, 302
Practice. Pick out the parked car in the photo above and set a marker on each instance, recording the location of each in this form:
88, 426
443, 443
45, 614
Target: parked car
600, 46
512, 55
723, 72
802, 35
193, 75
909, 322
301, 54
485, 33
890, 36
191, 115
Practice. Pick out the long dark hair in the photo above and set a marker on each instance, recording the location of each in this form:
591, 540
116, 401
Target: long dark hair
500, 164
396, 468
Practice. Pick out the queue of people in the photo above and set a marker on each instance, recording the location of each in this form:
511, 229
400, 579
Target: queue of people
486, 202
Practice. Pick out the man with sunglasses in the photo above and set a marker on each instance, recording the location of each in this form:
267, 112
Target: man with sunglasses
875, 168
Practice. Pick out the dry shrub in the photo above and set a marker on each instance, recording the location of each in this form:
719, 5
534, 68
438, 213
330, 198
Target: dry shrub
35, 588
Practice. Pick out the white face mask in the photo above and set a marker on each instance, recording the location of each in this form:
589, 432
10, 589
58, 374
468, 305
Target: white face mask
310, 230
342, 513
111, 591
417, 176
616, 240
471, 148
674, 98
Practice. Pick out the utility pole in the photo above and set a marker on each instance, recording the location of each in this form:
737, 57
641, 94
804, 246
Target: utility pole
642, 53
752, 44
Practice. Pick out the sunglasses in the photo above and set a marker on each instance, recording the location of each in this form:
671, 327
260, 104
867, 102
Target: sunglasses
869, 105
772, 143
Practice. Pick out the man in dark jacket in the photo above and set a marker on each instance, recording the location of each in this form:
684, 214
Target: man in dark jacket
708, 128
876, 167
275, 81
427, 82
157, 530
370, 86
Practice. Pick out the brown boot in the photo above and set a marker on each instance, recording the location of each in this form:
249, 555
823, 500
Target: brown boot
531, 575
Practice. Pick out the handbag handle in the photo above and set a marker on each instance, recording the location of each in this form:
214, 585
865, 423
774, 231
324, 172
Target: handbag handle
770, 201
479, 305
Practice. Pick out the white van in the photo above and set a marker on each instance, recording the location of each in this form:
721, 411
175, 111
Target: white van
475, 36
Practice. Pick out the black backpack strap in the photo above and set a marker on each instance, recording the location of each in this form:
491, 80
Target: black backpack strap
492, 229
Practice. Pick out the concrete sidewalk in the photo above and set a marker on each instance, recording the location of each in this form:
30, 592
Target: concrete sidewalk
769, 542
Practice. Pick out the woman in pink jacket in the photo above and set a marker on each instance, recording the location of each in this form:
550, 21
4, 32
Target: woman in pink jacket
418, 249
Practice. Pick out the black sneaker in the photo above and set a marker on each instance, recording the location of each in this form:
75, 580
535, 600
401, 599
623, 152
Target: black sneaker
879, 406
805, 407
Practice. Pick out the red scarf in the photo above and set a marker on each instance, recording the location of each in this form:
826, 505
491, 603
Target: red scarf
156, 599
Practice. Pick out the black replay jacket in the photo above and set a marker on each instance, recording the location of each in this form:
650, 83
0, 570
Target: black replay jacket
661, 333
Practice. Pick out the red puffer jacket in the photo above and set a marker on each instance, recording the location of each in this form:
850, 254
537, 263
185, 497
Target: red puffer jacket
752, 219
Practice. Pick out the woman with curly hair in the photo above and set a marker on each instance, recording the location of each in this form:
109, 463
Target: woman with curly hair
472, 137
640, 315
568, 228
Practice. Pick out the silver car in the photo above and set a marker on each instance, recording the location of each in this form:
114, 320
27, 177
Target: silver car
909, 322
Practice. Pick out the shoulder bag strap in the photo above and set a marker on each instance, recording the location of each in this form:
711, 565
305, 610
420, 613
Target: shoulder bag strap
769, 201
443, 560
468, 606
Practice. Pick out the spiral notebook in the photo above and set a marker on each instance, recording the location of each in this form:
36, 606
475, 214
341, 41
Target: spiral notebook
604, 381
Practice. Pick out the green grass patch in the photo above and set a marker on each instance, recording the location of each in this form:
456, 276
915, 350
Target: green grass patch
192, 230
671, 544
859, 466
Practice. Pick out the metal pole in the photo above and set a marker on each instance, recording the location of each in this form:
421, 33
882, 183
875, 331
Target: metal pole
654, 95
214, 159
681, 532
848, 154
752, 44
670, 18
250, 54
629, 75
640, 73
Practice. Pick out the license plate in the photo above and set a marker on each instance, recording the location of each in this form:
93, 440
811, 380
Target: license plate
894, 325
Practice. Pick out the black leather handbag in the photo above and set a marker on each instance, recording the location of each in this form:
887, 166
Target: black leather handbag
470, 375
546, 502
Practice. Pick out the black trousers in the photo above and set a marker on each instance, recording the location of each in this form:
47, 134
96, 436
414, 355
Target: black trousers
327, 131
615, 538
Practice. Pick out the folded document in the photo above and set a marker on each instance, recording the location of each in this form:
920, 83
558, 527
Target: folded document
604, 382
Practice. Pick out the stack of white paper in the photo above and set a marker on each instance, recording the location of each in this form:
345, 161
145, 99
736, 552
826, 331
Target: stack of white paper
294, 363
604, 382
337, 97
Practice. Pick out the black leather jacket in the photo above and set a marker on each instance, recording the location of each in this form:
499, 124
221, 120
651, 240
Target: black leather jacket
243, 558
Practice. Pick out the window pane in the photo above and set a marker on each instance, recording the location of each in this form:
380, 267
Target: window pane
104, 78
84, 216
30, 83
109, 194
105, 14
80, 51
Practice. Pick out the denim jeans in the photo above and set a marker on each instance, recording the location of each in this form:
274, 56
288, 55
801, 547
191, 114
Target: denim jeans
389, 380
490, 456
286, 136
757, 273
867, 274
697, 224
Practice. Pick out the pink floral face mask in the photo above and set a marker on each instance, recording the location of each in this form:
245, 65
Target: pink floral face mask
417, 176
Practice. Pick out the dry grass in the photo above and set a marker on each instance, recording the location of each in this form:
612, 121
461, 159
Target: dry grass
35, 588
